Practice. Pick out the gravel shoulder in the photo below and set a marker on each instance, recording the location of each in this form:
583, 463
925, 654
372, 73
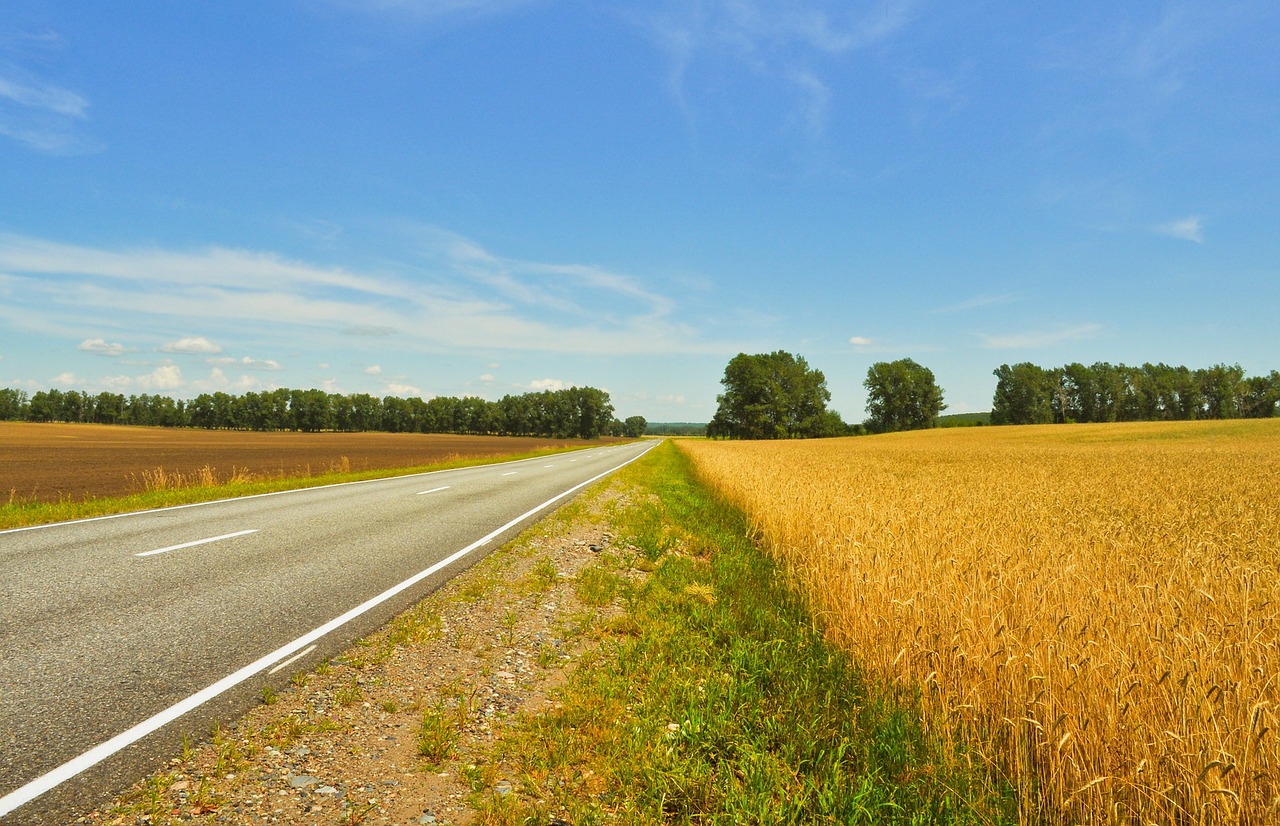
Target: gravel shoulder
401, 728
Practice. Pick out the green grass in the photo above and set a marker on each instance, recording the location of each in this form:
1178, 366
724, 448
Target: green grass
18, 512
719, 701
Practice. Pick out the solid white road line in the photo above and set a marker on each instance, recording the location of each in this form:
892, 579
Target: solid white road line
433, 490
197, 542
56, 777
510, 473
293, 659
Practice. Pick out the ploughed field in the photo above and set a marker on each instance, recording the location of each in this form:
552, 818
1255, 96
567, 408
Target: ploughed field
1094, 609
52, 462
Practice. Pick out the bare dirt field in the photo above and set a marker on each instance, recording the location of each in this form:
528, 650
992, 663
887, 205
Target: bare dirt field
49, 462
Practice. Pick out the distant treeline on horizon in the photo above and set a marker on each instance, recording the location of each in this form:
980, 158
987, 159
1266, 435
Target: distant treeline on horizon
575, 412
1102, 392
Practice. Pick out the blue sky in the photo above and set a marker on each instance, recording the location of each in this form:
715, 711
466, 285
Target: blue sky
494, 196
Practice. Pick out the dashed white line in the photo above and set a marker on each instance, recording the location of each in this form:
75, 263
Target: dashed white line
433, 490
510, 473
197, 542
56, 777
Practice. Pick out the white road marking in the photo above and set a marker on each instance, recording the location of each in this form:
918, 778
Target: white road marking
197, 542
510, 473
56, 777
293, 659
433, 490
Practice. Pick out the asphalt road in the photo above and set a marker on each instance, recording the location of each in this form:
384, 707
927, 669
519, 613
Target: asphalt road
119, 635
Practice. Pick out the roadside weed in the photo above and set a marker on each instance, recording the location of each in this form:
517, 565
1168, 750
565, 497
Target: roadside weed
721, 702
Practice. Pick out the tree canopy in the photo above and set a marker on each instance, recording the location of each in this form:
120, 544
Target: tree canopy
573, 412
1102, 392
773, 396
901, 395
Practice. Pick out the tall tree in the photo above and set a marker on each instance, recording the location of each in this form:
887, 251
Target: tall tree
772, 396
901, 395
1023, 395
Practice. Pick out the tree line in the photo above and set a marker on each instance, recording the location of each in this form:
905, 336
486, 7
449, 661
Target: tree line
778, 396
575, 412
1028, 394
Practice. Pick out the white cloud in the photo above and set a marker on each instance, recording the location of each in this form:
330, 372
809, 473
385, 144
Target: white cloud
101, 347
547, 384
43, 115
164, 377
860, 341
373, 370
1039, 338
454, 295
487, 378
405, 390
67, 379
1190, 228
673, 399
245, 363
193, 345
117, 383
770, 43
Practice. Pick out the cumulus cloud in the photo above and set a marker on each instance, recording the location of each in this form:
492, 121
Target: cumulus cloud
487, 378
101, 347
373, 370
405, 390
193, 345
860, 341
548, 384
164, 377
1190, 228
67, 379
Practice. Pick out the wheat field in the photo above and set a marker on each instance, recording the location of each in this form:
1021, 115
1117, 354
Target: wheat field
1093, 609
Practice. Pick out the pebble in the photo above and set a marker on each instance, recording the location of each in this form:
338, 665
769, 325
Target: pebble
301, 781
503, 787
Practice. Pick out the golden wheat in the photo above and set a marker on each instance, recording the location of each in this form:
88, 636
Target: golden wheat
1096, 608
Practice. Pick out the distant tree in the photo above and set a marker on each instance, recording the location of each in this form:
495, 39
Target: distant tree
634, 427
13, 404
901, 395
1261, 396
1023, 395
773, 396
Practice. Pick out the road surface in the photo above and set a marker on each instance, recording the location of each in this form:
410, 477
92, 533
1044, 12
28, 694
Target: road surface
120, 634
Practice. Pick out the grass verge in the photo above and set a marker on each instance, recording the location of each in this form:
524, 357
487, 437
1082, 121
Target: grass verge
715, 699
18, 513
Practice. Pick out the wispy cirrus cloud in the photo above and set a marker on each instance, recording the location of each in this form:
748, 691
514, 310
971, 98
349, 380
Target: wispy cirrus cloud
1190, 228
977, 302
35, 111
790, 43
1035, 339
447, 293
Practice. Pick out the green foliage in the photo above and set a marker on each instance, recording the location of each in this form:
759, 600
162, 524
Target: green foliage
1102, 392
634, 427
575, 412
773, 396
724, 704
901, 395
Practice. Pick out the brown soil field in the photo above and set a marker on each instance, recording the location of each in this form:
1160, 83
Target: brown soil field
51, 462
